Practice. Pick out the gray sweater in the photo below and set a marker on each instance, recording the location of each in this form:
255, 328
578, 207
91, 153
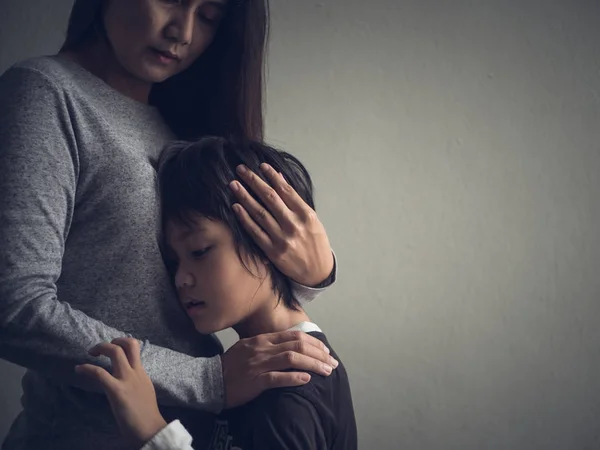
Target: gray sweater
80, 261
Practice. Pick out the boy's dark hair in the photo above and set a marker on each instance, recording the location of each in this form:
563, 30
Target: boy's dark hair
194, 178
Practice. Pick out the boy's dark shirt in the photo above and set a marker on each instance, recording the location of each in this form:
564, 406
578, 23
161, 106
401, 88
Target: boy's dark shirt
318, 415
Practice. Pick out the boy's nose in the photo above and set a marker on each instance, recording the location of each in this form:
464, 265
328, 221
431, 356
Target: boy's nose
184, 280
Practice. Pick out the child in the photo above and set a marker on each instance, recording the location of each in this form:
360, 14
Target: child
223, 279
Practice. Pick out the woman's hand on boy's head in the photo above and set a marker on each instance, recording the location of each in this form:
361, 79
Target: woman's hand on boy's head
256, 364
288, 231
129, 389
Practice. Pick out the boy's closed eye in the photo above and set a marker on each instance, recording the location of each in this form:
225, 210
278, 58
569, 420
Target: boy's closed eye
197, 254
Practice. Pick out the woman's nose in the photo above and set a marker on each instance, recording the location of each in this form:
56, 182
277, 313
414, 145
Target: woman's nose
181, 27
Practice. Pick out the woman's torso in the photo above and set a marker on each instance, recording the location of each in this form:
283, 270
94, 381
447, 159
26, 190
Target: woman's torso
112, 268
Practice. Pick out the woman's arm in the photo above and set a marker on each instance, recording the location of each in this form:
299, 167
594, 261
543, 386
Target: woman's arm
278, 420
133, 400
39, 169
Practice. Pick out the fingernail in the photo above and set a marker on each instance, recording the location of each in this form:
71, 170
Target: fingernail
242, 169
327, 369
334, 363
264, 167
327, 349
237, 208
305, 377
234, 186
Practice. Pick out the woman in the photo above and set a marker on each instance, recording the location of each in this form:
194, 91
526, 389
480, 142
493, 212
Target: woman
78, 212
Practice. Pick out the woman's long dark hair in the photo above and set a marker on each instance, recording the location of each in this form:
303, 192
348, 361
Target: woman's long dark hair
222, 92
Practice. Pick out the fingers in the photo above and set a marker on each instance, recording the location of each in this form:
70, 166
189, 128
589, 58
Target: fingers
300, 351
253, 365
286, 192
131, 347
268, 195
259, 235
97, 373
259, 213
118, 358
297, 361
287, 336
271, 380
306, 349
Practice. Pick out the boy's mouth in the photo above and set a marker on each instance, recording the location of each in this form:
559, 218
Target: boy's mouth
193, 304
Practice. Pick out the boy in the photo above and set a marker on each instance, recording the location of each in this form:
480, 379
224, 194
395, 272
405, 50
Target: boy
223, 279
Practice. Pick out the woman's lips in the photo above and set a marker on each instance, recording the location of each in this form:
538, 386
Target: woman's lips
166, 57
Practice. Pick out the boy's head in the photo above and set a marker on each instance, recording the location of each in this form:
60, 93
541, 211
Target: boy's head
221, 275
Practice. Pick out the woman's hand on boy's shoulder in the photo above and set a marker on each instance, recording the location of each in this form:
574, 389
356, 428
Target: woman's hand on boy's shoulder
256, 364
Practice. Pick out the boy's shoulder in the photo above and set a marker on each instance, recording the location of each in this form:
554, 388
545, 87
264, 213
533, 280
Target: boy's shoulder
337, 382
327, 396
300, 417
274, 421
313, 390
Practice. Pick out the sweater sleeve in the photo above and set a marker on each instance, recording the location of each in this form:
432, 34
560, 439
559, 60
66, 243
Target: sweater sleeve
306, 294
39, 170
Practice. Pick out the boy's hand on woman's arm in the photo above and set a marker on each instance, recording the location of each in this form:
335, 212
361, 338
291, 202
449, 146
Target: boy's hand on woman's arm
129, 389
250, 367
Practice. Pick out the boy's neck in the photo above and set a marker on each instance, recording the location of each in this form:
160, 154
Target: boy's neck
269, 319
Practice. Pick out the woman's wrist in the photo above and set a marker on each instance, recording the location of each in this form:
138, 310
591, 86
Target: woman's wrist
322, 279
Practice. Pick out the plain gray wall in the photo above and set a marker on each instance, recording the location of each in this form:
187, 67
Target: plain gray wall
455, 147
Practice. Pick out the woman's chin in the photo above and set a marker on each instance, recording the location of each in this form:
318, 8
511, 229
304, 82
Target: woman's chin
156, 76
151, 73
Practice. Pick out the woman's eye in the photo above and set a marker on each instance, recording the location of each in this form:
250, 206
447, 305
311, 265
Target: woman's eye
211, 16
207, 20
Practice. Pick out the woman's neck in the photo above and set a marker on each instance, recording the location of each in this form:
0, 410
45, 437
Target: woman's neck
270, 319
98, 59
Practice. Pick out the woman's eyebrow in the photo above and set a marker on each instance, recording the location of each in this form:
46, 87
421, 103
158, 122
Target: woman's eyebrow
221, 5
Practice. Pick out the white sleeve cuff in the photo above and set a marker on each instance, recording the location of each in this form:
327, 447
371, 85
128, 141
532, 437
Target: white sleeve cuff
305, 294
172, 437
